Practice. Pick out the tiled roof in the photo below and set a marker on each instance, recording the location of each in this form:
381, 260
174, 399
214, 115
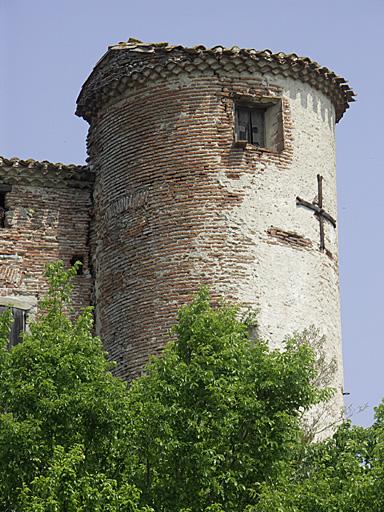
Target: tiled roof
32, 172
127, 63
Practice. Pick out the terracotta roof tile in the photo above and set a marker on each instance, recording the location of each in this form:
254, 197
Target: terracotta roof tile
128, 62
43, 173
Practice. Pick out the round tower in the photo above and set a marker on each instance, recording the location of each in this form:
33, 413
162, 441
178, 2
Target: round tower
213, 166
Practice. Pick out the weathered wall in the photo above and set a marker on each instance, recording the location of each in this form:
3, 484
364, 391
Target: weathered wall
43, 223
178, 204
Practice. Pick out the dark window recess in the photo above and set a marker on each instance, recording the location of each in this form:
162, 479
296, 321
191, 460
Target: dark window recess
18, 325
80, 268
3, 209
250, 125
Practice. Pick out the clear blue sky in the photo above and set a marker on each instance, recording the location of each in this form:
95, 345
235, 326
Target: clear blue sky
48, 48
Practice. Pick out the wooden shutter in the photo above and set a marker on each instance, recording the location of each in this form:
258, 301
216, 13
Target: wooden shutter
18, 326
4, 189
242, 124
257, 127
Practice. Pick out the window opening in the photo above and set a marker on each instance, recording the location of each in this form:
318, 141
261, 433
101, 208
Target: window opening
259, 122
18, 326
80, 268
4, 189
250, 125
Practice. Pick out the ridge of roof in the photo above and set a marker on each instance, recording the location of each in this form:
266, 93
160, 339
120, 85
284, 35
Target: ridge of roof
30, 163
137, 61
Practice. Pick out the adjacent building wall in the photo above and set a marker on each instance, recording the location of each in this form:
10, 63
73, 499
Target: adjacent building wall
48, 218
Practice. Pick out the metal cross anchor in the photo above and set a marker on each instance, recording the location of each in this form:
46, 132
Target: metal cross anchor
317, 207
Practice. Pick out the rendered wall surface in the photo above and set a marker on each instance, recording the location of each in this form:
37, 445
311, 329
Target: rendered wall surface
177, 204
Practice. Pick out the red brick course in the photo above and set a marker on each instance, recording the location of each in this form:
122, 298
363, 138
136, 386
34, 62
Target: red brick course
160, 211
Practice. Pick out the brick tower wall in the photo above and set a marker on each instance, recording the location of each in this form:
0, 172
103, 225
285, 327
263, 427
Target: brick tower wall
178, 204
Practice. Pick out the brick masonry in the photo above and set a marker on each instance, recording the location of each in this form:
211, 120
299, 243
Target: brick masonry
288, 238
178, 205
47, 218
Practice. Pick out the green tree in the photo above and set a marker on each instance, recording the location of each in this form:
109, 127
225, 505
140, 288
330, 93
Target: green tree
345, 473
63, 416
218, 414
213, 426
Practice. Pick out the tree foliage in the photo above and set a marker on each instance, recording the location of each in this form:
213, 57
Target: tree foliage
62, 414
345, 473
214, 425
218, 414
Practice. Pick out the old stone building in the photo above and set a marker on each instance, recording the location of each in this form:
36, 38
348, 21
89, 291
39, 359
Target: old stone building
208, 166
